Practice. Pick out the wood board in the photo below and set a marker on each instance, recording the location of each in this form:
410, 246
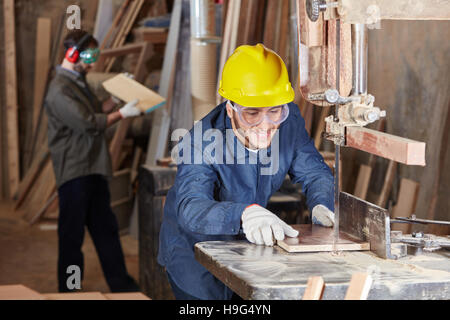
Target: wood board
128, 90
314, 238
19, 292
314, 288
42, 61
12, 121
359, 286
75, 296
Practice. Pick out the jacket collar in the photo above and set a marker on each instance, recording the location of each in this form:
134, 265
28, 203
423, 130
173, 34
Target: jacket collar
72, 75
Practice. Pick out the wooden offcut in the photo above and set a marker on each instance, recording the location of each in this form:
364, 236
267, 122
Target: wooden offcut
359, 286
314, 288
385, 145
314, 238
12, 131
128, 90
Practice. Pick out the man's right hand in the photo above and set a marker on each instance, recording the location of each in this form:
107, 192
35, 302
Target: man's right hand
259, 225
130, 109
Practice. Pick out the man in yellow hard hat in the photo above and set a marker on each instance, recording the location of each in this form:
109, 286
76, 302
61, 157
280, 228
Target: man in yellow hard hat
230, 164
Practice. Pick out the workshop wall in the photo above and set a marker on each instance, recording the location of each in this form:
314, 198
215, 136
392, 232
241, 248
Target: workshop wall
409, 75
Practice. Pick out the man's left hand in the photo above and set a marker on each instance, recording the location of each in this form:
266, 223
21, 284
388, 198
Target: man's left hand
322, 216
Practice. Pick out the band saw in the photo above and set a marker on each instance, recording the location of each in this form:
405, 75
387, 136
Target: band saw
332, 59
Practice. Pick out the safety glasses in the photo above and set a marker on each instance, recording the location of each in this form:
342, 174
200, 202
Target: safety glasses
90, 55
254, 116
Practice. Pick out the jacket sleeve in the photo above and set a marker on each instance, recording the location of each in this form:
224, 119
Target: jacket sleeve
309, 169
77, 116
197, 210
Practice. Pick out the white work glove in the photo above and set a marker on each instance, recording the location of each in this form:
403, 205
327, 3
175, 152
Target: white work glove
130, 109
322, 216
259, 224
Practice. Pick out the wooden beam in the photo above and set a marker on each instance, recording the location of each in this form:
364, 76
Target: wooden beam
30, 177
385, 145
41, 65
115, 23
123, 50
150, 34
359, 286
284, 31
12, 130
134, 11
161, 120
314, 288
271, 22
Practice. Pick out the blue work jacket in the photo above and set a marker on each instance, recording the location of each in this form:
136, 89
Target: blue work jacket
208, 197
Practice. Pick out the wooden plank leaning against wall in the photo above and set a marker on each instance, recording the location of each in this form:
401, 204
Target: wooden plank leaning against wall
12, 132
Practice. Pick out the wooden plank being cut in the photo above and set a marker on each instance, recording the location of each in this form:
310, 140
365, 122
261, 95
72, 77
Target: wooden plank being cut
128, 90
359, 286
314, 289
314, 238
12, 130
385, 145
19, 292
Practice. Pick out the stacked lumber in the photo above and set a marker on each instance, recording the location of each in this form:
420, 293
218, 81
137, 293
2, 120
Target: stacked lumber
35, 191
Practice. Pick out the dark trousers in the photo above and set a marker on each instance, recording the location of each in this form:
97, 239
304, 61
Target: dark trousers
85, 201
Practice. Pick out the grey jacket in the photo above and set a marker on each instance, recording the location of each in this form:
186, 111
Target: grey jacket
76, 128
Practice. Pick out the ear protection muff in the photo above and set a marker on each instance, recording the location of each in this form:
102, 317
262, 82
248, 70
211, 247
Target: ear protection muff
73, 53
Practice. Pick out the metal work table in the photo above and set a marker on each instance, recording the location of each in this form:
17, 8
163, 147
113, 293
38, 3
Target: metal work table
260, 272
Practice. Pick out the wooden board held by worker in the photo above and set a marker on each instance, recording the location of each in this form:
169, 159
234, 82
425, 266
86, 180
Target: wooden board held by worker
314, 238
127, 89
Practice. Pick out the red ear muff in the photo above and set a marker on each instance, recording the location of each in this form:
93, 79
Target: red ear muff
72, 55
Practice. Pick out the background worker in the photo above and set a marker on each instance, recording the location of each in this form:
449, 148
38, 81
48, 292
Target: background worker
82, 164
211, 201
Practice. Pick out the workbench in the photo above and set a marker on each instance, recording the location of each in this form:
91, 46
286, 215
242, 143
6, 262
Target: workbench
260, 272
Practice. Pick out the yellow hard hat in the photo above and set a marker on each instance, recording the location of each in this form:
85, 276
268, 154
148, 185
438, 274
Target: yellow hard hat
255, 76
